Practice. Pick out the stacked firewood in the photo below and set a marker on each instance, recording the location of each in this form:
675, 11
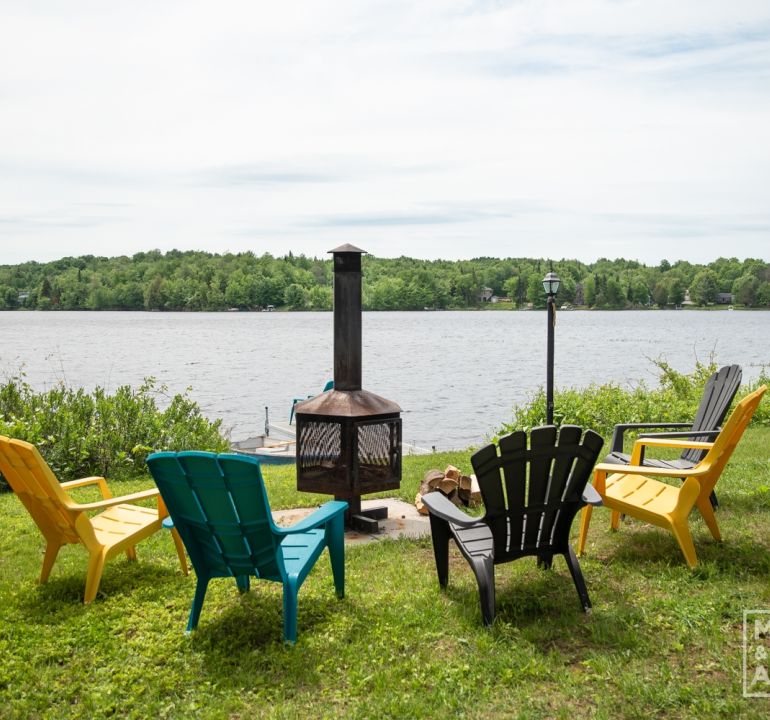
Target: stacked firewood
462, 490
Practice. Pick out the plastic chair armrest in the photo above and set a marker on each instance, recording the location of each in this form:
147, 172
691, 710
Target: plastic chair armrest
591, 497
688, 433
319, 518
620, 429
84, 482
673, 443
439, 505
613, 469
637, 454
110, 502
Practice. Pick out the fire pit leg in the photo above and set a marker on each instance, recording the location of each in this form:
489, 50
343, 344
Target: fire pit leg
366, 521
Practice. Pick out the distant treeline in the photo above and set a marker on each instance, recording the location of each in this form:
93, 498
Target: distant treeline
178, 280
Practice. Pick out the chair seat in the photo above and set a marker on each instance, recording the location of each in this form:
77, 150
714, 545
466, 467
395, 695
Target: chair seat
122, 521
642, 495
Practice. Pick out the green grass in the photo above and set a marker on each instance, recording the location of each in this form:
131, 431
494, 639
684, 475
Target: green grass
662, 641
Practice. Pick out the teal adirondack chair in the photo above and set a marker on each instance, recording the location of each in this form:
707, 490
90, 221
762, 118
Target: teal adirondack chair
219, 506
329, 386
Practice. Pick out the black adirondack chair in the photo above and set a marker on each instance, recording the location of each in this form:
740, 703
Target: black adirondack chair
531, 495
717, 395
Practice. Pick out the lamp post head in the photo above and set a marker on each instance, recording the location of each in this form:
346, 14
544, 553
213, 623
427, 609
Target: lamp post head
551, 283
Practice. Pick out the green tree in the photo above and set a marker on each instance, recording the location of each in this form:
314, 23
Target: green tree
614, 295
320, 297
745, 290
296, 297
704, 287
154, 296
763, 295
675, 291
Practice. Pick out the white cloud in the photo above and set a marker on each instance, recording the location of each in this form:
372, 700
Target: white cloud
433, 129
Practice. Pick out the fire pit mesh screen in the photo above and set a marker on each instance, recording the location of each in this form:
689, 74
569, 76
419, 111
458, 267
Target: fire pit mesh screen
377, 455
321, 444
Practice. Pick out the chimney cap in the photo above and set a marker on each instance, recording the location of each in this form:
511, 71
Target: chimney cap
348, 248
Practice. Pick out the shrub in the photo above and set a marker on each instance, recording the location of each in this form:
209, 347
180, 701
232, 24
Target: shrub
83, 434
601, 407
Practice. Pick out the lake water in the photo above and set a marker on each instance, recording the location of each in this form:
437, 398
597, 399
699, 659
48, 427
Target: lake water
456, 375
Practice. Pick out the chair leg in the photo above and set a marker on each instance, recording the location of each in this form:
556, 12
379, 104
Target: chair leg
243, 583
290, 591
615, 520
335, 541
682, 534
179, 545
439, 531
51, 551
545, 561
585, 521
714, 500
577, 578
707, 511
94, 576
131, 553
484, 570
195, 610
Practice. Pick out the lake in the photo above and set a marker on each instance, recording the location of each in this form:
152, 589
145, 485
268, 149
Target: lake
456, 375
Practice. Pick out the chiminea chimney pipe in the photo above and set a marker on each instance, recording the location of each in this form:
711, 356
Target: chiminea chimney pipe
347, 317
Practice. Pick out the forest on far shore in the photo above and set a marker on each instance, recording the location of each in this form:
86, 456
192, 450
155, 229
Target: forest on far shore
201, 281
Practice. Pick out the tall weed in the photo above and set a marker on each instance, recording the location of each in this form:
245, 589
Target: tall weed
99, 433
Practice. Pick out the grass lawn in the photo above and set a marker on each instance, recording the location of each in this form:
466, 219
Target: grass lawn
662, 641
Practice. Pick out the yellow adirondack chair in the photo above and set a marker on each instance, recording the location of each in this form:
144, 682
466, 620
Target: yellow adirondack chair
63, 521
636, 493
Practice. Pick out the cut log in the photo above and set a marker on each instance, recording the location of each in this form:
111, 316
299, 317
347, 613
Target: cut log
464, 489
452, 472
433, 478
418, 503
475, 495
447, 486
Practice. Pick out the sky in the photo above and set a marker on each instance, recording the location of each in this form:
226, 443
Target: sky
431, 128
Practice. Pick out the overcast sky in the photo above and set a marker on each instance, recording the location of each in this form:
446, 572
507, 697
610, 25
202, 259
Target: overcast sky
436, 128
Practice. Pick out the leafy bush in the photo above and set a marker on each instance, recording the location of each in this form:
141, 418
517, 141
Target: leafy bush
601, 407
101, 434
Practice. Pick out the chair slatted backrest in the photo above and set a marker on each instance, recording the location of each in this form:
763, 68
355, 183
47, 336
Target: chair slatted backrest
716, 458
36, 486
219, 506
531, 494
715, 402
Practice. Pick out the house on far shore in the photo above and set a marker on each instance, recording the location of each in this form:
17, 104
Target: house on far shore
724, 299
485, 295
498, 299
687, 300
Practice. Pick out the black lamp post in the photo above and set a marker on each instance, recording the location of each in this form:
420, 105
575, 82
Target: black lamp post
551, 286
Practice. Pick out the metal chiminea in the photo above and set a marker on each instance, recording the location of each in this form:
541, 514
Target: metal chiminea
348, 439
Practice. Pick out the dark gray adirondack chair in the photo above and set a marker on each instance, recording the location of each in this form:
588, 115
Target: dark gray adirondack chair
717, 395
531, 495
